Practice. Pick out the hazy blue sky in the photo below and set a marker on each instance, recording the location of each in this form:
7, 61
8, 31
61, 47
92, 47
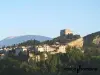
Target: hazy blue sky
48, 17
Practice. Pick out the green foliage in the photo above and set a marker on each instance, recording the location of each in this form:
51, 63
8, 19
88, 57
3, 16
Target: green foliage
54, 65
49, 42
29, 43
75, 54
42, 56
92, 51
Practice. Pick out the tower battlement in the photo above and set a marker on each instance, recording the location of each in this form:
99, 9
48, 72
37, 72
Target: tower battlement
65, 32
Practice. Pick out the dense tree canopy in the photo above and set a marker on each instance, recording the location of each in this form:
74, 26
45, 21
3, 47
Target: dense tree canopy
55, 64
29, 43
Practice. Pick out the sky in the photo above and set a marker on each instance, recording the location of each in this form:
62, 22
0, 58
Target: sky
48, 17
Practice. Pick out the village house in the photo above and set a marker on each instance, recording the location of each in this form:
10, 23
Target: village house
53, 49
20, 49
2, 54
45, 48
62, 49
36, 58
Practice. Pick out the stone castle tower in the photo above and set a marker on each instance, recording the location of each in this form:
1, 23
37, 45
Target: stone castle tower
65, 32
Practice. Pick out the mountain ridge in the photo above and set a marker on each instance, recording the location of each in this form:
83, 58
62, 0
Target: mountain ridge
19, 39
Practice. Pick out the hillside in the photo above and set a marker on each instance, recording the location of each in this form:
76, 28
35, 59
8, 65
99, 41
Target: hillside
76, 43
63, 39
92, 39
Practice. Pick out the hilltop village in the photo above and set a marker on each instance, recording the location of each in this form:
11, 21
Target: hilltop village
58, 56
55, 48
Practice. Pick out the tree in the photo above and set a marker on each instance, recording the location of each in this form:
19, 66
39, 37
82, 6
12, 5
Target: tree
29, 43
42, 56
53, 63
75, 55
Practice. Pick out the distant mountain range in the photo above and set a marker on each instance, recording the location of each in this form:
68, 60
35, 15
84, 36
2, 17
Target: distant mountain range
19, 39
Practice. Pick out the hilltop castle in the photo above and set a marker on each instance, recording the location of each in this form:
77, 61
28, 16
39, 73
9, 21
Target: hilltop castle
65, 32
